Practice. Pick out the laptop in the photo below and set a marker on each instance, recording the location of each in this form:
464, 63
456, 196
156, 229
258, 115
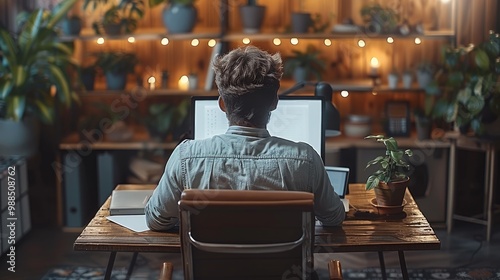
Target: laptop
129, 202
339, 178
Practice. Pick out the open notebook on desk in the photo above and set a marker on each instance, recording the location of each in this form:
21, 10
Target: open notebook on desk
127, 208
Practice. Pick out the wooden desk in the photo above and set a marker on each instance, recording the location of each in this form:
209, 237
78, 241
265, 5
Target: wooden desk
362, 231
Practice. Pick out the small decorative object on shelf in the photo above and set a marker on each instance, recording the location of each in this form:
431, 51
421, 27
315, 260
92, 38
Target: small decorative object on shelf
388, 182
393, 79
179, 16
252, 16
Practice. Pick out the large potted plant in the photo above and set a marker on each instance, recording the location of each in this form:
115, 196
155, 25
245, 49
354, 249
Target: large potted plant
389, 181
119, 17
116, 67
179, 16
302, 64
34, 78
468, 87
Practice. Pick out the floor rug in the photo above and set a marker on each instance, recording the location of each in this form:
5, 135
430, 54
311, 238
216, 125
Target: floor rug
92, 273
97, 273
424, 274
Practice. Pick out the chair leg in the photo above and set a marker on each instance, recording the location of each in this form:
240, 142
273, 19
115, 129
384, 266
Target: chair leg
335, 270
166, 271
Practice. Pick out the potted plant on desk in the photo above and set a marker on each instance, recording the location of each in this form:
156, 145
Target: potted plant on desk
389, 182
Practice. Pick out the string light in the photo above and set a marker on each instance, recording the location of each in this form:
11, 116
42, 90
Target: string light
418, 41
390, 40
361, 43
164, 41
195, 42
344, 93
100, 41
276, 41
246, 41
328, 42
131, 39
211, 43
294, 41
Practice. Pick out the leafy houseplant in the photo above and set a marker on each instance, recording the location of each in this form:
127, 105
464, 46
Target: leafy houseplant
389, 182
468, 88
163, 118
120, 16
116, 66
302, 64
34, 77
379, 19
179, 16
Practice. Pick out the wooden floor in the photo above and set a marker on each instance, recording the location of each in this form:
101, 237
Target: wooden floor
45, 248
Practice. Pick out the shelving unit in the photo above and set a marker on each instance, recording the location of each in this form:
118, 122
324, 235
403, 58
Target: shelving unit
347, 69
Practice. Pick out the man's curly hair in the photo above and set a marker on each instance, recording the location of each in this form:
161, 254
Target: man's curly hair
248, 80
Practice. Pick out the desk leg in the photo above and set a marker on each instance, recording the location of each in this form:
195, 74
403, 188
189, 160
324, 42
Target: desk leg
131, 265
382, 264
109, 268
402, 263
451, 187
490, 183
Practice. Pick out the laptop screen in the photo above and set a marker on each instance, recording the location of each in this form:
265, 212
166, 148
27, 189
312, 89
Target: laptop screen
296, 118
339, 178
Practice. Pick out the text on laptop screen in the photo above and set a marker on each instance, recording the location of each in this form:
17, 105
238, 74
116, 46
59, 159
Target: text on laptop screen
296, 118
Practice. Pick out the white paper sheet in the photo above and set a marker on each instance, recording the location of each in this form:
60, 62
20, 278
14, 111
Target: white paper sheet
136, 223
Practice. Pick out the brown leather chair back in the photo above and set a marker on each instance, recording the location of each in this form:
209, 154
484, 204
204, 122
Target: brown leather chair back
243, 234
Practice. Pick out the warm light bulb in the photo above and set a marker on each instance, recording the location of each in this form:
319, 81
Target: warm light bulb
151, 82
374, 65
294, 41
390, 40
418, 41
100, 41
195, 42
164, 41
344, 93
361, 43
131, 39
328, 42
184, 83
212, 43
276, 41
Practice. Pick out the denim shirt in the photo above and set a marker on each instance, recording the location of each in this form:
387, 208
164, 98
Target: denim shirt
242, 159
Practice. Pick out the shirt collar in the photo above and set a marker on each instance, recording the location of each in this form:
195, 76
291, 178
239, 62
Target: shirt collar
248, 131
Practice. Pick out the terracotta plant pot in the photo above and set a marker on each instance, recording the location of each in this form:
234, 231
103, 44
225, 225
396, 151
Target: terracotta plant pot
392, 193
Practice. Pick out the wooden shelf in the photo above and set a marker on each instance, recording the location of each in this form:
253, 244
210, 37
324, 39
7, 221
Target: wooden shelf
160, 33
156, 92
145, 34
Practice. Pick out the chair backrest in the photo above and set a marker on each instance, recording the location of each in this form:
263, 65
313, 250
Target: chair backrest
246, 234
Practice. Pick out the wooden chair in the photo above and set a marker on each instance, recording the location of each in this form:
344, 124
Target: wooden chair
228, 234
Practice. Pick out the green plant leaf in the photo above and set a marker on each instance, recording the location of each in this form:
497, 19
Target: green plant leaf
475, 104
372, 182
482, 60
